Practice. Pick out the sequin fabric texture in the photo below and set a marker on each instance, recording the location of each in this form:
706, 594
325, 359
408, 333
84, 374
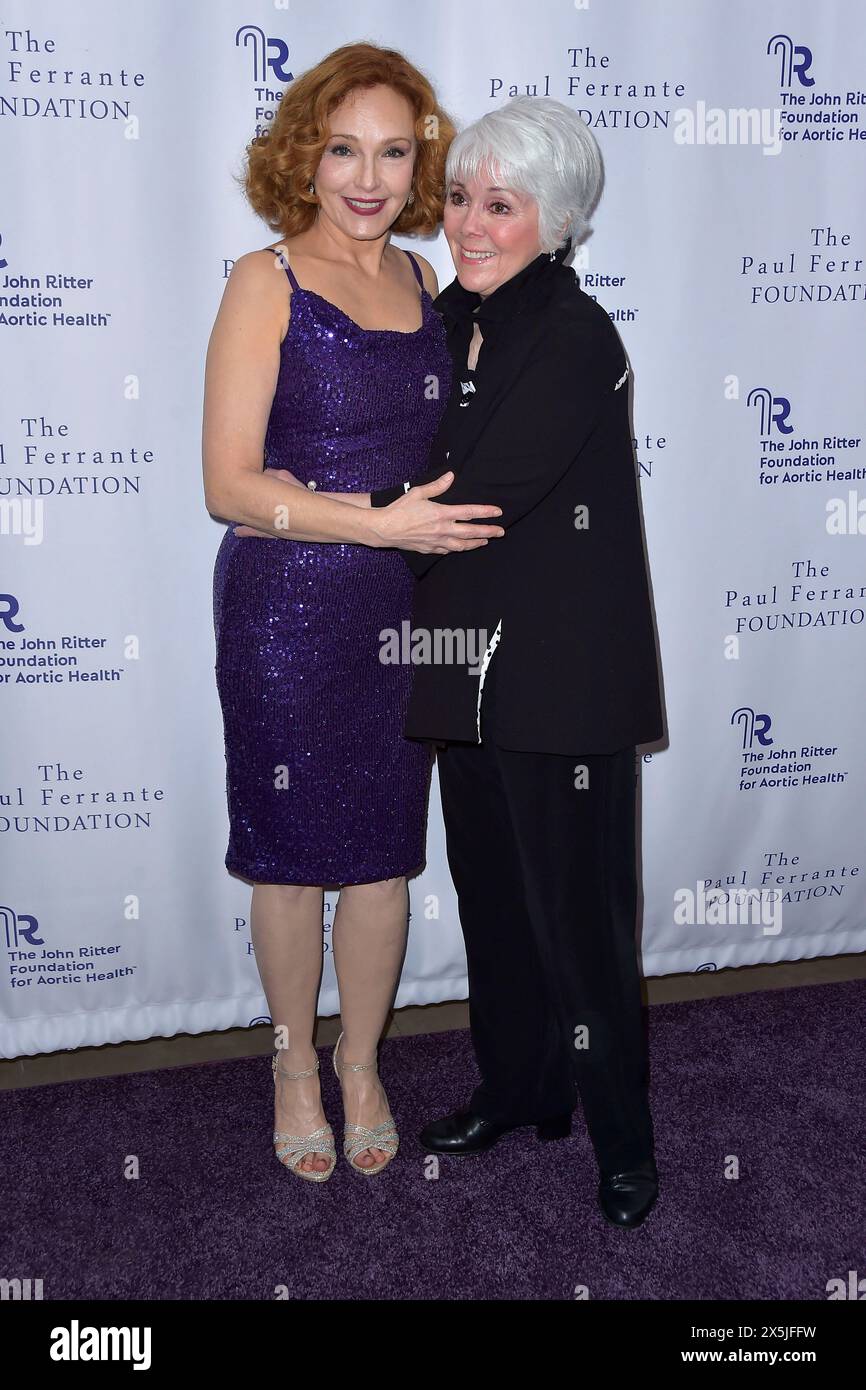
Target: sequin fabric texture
322, 788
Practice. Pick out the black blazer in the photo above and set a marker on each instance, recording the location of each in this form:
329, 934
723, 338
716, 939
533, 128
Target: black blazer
561, 601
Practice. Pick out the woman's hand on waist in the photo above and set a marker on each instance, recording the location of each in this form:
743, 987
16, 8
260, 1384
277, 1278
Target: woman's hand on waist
416, 522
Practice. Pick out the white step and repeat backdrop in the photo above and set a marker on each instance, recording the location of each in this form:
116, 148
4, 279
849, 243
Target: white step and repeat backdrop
730, 250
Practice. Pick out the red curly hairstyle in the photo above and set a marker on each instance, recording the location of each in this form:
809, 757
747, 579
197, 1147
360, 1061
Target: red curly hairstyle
281, 163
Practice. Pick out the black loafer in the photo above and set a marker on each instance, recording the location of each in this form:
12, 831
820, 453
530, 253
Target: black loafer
626, 1197
464, 1132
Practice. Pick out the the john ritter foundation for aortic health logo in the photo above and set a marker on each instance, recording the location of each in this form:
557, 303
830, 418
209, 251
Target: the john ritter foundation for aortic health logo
788, 457
67, 659
34, 964
267, 68
810, 112
770, 767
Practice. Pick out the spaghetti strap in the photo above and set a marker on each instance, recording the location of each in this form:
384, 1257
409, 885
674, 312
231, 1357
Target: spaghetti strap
284, 262
415, 267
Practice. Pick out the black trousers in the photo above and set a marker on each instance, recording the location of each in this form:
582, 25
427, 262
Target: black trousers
545, 873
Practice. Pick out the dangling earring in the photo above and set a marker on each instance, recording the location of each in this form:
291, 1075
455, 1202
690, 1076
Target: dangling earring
411, 197
311, 187
553, 255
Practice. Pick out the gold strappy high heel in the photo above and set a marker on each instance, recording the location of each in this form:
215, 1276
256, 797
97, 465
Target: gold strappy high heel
292, 1148
384, 1136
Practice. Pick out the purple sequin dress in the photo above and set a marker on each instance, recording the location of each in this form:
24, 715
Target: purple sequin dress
322, 787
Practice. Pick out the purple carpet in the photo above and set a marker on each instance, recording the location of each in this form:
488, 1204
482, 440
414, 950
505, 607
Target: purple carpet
773, 1079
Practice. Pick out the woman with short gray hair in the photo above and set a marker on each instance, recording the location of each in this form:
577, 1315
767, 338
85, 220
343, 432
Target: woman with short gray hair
549, 150
538, 769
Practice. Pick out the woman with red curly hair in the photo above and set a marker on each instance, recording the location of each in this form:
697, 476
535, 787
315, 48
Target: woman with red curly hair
318, 370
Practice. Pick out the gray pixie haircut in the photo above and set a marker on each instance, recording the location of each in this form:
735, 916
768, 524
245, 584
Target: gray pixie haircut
545, 150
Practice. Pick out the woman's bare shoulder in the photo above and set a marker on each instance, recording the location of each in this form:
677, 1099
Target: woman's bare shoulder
259, 279
262, 260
